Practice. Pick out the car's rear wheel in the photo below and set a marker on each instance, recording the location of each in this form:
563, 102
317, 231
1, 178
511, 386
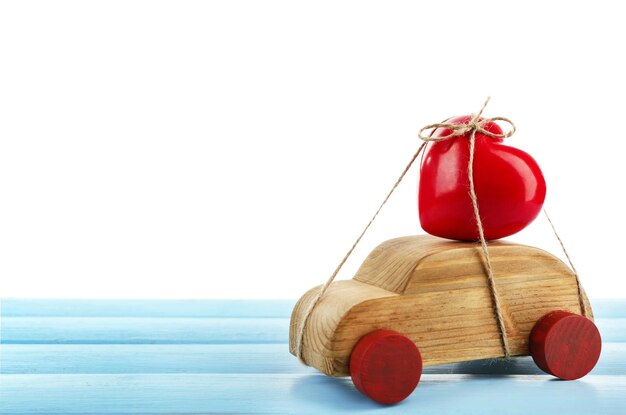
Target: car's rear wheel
565, 345
385, 366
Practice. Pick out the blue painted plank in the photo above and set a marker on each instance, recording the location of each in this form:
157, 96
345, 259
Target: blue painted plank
137, 330
148, 358
304, 394
146, 308
231, 358
603, 308
609, 308
612, 329
115, 330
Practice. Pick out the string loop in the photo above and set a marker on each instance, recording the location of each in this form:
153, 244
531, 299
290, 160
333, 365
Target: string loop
475, 125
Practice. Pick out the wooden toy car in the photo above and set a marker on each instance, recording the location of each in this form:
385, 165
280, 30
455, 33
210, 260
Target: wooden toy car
421, 301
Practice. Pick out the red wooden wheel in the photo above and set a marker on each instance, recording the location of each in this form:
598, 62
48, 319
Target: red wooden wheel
385, 366
565, 344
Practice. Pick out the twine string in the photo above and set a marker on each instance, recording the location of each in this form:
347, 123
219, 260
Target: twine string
474, 126
425, 134
495, 298
320, 293
583, 306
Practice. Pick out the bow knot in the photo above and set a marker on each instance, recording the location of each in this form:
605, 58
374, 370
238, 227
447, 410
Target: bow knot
475, 125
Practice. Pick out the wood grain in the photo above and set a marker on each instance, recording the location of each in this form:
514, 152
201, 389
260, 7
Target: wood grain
233, 308
612, 308
134, 330
231, 358
436, 293
76, 330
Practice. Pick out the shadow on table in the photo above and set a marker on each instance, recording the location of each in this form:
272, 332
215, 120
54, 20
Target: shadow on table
513, 366
469, 381
322, 391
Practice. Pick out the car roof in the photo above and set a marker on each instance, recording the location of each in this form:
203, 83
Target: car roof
390, 265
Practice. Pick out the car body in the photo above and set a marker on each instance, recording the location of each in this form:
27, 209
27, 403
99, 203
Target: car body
436, 293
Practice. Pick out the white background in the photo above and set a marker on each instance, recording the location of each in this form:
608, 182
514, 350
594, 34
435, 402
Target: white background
235, 149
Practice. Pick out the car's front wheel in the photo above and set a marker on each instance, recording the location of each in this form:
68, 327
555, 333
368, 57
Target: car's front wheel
565, 345
385, 366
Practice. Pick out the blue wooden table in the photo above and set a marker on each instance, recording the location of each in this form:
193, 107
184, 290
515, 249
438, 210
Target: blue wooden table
165, 357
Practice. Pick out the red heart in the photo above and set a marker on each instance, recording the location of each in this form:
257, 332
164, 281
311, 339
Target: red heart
509, 185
